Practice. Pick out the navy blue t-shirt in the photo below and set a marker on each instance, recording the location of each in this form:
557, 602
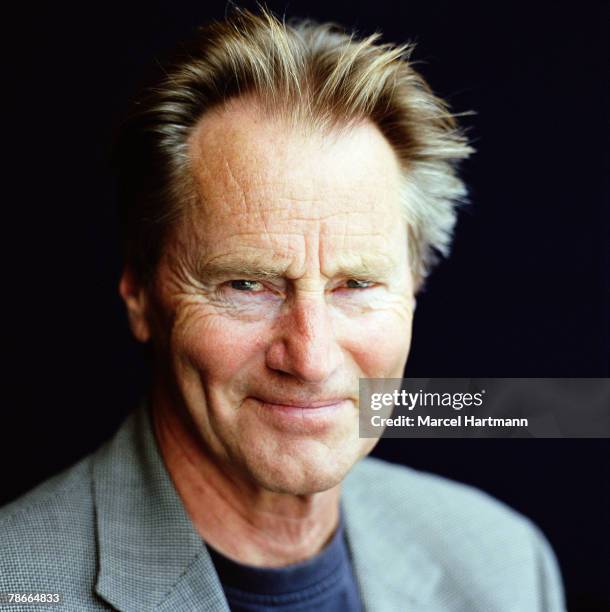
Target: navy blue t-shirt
324, 583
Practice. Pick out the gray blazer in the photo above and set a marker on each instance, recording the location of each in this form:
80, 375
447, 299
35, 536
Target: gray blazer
111, 533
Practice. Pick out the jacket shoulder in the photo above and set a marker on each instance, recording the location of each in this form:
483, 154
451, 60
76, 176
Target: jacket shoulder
68, 484
430, 497
479, 542
47, 537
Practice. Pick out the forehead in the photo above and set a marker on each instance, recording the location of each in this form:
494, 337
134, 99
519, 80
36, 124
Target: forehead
258, 178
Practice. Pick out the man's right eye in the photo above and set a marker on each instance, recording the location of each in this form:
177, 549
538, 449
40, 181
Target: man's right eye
246, 285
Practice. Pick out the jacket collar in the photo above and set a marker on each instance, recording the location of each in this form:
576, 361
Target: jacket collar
151, 556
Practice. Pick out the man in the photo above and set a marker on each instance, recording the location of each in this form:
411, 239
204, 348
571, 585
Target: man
285, 190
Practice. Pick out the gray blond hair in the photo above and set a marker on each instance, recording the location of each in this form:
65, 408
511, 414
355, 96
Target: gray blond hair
313, 74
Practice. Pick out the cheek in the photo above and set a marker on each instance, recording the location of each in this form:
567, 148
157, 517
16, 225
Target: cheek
218, 348
379, 343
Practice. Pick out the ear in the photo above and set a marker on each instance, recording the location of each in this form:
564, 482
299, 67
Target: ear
136, 301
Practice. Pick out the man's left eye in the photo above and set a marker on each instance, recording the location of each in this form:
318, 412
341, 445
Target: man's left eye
354, 283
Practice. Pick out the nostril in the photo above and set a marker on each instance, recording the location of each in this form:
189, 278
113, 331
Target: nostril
310, 358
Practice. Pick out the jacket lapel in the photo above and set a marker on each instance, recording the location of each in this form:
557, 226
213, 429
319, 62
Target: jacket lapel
150, 555
393, 572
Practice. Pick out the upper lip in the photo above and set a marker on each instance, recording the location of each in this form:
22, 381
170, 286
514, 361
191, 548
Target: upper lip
302, 403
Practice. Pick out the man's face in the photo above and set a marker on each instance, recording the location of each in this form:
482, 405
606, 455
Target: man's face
288, 283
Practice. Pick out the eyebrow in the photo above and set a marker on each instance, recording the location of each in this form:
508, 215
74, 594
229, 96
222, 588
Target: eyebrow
241, 268
350, 265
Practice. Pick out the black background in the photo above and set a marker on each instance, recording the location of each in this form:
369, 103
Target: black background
525, 293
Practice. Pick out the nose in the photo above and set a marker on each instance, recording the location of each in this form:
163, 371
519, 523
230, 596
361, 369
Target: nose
305, 345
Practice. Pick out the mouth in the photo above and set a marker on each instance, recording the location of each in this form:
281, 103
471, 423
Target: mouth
303, 416
302, 404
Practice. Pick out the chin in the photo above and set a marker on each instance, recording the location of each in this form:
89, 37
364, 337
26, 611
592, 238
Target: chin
304, 469
302, 484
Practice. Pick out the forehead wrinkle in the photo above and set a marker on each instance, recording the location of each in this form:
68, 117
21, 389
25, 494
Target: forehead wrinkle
358, 264
256, 154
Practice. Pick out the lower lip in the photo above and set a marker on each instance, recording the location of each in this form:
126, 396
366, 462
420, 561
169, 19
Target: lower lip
302, 418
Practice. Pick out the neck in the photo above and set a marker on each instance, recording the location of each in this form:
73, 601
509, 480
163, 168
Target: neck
234, 515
